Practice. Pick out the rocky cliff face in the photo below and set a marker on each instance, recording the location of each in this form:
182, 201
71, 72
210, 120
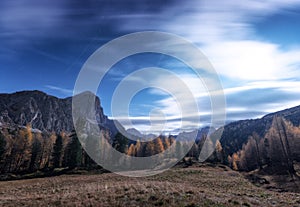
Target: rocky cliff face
43, 112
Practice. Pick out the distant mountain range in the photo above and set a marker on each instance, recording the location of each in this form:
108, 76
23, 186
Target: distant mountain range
48, 113
136, 133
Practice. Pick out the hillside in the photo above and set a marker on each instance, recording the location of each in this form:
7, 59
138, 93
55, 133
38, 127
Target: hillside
236, 134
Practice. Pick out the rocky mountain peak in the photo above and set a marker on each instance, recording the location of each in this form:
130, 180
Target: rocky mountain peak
44, 112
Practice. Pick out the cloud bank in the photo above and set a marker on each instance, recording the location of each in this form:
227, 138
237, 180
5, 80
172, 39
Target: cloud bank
258, 75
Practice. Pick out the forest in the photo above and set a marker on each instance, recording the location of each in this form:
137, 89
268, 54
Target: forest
275, 153
24, 150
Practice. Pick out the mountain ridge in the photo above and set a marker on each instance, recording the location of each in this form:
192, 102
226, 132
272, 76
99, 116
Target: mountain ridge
236, 133
44, 112
49, 113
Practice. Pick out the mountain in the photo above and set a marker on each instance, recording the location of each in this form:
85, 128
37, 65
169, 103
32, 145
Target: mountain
48, 113
236, 134
45, 112
132, 132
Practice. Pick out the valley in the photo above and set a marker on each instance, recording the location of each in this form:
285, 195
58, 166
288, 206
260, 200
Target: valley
42, 162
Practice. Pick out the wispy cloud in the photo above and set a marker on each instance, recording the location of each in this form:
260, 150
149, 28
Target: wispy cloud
253, 60
248, 100
258, 76
63, 91
225, 31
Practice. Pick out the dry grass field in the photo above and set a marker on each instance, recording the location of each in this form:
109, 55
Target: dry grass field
194, 186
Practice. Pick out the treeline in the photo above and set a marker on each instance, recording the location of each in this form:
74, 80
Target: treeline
275, 153
162, 143
25, 151
142, 149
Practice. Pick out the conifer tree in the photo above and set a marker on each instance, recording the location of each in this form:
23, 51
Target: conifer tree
2, 145
120, 142
36, 148
57, 151
74, 152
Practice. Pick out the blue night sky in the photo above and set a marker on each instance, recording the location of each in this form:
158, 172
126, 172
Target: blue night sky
254, 46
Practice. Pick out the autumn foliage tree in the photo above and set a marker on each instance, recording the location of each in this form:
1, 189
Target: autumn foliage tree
274, 153
131, 150
158, 146
279, 137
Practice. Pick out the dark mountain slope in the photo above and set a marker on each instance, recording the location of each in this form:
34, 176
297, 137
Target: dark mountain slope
236, 133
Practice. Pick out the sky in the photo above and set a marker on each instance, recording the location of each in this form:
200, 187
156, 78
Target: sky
254, 46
